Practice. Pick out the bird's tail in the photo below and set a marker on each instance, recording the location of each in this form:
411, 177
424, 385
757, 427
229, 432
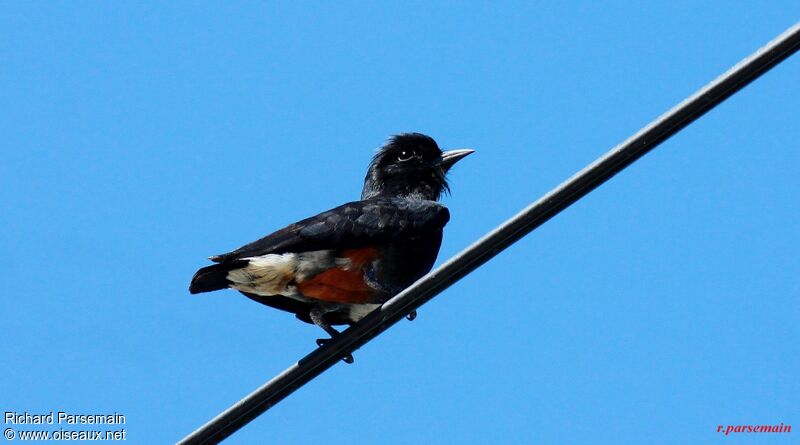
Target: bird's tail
214, 277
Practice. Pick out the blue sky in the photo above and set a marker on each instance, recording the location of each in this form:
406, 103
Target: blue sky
139, 138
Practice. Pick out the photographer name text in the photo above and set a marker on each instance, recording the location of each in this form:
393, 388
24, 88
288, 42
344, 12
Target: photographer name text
62, 418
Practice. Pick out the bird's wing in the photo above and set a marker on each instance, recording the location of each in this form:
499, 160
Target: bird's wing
352, 225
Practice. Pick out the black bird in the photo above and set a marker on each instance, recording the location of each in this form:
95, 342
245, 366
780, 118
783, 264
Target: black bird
336, 267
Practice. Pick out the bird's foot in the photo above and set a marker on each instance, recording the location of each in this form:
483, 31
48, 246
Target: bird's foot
317, 315
347, 358
411, 315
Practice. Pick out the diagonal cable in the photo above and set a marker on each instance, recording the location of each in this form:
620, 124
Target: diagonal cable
494, 242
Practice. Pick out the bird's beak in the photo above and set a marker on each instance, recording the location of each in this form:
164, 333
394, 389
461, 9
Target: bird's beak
451, 157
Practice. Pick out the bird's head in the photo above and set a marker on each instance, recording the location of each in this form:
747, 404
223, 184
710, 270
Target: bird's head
410, 164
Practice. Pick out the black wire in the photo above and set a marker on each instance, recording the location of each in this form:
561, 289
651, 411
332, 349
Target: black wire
497, 240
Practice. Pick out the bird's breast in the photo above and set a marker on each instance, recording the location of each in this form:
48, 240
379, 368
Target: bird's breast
403, 262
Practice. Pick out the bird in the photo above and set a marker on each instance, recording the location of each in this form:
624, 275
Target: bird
336, 267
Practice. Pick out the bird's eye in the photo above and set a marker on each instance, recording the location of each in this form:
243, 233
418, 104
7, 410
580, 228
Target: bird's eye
405, 155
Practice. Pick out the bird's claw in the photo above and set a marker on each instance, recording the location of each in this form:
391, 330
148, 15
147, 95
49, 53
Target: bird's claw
347, 358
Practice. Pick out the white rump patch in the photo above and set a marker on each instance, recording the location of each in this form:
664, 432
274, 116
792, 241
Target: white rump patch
277, 274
